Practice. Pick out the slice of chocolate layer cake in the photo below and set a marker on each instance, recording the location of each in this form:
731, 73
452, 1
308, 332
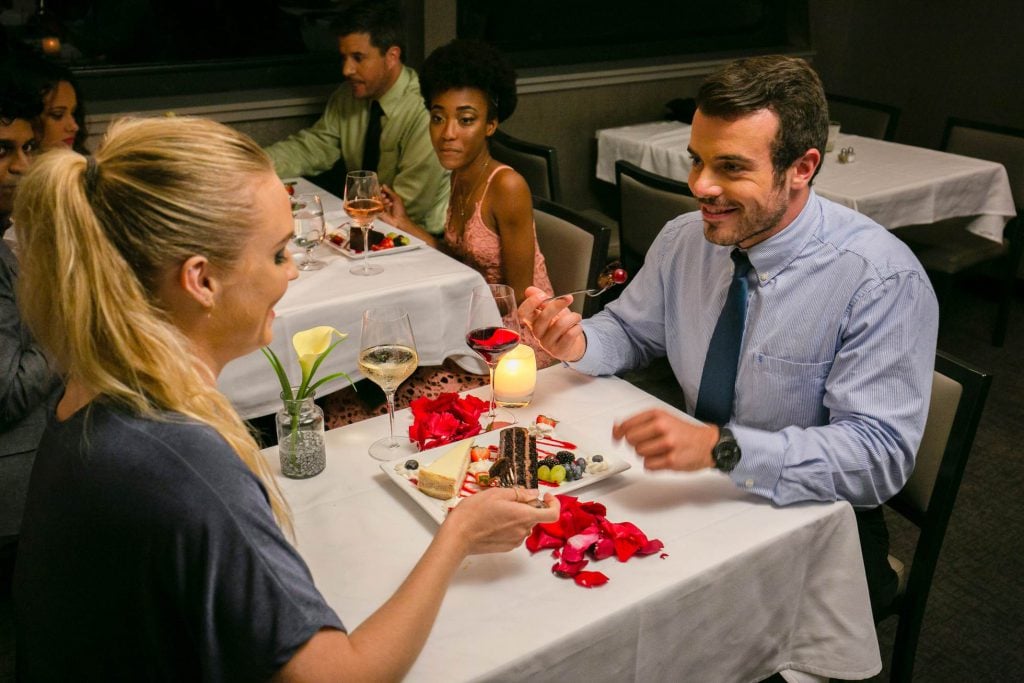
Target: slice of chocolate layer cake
519, 451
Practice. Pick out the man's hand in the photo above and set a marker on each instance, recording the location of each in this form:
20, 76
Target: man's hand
556, 328
666, 442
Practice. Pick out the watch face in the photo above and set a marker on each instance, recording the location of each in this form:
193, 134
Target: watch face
727, 454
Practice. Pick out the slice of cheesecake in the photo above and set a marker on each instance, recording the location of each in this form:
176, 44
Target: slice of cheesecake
443, 477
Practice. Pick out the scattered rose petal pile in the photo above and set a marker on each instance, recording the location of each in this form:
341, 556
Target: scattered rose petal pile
583, 530
447, 418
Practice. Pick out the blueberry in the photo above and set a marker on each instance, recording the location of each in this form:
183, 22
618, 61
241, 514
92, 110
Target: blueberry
581, 462
597, 458
411, 465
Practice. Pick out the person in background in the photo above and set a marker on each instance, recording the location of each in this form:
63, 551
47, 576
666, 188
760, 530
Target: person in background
801, 332
153, 524
28, 384
469, 88
375, 121
62, 121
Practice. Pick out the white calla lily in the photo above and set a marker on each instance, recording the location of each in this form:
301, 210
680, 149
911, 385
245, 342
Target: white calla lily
310, 344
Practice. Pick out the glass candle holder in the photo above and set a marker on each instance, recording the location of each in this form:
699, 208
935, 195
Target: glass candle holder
515, 378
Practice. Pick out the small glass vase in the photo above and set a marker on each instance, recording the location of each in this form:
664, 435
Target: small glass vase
300, 438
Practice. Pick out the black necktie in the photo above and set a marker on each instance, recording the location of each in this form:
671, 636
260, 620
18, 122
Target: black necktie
371, 147
718, 383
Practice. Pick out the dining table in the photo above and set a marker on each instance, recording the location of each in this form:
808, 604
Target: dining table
741, 589
434, 288
894, 184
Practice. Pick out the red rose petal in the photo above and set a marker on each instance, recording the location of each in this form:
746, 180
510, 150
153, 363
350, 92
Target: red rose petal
577, 545
582, 528
563, 568
590, 579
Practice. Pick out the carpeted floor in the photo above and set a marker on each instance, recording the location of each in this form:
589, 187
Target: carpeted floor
974, 624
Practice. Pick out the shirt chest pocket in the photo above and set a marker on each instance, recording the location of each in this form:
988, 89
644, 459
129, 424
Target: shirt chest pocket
783, 393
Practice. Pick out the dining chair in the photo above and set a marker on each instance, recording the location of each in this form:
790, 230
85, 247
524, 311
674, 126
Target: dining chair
646, 202
946, 249
863, 117
957, 399
575, 249
538, 164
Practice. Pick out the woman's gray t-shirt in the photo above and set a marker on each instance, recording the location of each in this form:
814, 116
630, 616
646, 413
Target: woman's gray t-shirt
149, 552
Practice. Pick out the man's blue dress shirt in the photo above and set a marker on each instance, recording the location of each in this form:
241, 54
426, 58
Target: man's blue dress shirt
836, 364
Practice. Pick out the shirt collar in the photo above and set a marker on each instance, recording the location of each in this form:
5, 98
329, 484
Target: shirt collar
392, 98
771, 257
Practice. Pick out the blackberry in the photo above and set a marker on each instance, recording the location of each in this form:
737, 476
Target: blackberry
550, 462
565, 457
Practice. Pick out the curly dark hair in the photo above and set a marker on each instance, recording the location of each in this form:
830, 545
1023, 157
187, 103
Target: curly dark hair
787, 86
471, 64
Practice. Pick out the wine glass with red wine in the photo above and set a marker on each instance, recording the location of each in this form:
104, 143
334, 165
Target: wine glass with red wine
363, 203
493, 330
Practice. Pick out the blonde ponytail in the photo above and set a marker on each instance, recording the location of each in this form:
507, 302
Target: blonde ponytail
95, 237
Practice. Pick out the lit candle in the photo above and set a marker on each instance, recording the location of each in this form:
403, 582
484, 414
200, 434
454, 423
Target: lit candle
515, 377
51, 45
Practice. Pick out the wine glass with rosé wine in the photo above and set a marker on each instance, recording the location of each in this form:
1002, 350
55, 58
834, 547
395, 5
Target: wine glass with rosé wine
363, 203
387, 356
308, 228
492, 331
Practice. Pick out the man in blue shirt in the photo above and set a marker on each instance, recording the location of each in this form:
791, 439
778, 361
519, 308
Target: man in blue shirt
837, 321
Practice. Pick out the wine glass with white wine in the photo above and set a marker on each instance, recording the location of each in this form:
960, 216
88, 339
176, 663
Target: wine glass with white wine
387, 356
363, 203
309, 228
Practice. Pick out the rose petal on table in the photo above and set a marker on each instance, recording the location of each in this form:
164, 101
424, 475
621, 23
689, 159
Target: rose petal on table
590, 579
567, 569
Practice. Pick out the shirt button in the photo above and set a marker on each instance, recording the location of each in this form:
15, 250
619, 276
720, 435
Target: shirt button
749, 483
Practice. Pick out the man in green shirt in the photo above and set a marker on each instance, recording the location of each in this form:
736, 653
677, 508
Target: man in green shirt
369, 40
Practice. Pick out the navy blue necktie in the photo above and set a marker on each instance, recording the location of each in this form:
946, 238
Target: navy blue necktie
718, 383
371, 146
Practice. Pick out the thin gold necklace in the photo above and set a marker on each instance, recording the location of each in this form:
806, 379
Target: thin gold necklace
464, 200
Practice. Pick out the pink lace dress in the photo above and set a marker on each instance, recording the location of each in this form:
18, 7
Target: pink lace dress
480, 248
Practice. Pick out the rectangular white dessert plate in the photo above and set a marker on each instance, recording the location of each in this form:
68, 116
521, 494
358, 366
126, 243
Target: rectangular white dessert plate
414, 243
437, 508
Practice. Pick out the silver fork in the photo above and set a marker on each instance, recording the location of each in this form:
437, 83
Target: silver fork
593, 291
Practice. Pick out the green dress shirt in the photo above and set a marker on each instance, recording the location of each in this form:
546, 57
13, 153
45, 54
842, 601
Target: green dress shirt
407, 160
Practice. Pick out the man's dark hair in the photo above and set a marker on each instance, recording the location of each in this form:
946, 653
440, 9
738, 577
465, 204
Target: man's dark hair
787, 86
19, 95
380, 19
471, 64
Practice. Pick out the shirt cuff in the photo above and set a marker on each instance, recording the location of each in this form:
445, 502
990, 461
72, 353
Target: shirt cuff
590, 363
760, 466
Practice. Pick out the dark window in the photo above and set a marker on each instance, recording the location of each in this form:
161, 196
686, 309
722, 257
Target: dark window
537, 33
117, 46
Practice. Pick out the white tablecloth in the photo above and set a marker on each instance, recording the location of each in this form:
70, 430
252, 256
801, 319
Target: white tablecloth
896, 185
746, 588
432, 287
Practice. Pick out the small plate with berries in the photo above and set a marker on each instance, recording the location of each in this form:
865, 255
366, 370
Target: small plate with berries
381, 243
565, 463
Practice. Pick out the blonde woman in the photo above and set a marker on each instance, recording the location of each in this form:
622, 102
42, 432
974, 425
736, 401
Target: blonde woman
152, 545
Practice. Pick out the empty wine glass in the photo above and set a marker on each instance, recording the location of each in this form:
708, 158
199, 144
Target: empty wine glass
492, 331
309, 228
363, 203
387, 356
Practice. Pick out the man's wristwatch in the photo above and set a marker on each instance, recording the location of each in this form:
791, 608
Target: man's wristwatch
726, 452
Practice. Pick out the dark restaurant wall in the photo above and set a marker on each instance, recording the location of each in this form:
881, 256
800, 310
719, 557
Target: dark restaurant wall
932, 60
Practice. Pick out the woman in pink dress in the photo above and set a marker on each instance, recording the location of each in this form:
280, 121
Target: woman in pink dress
468, 89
